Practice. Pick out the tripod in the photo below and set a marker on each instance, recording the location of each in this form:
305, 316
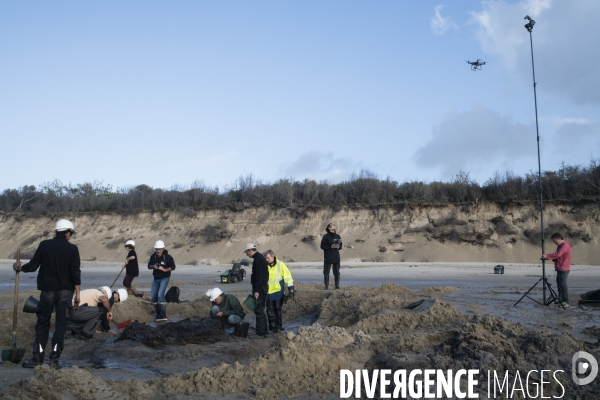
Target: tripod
552, 299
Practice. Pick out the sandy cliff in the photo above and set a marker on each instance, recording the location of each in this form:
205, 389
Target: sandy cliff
468, 233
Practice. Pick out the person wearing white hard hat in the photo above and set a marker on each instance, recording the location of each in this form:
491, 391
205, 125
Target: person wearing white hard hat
161, 263
58, 278
95, 304
225, 307
260, 286
131, 268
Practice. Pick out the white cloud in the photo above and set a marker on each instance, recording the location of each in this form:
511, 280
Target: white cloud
474, 140
439, 24
321, 166
564, 36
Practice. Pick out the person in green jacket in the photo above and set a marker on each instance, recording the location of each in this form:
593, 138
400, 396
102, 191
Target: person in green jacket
226, 307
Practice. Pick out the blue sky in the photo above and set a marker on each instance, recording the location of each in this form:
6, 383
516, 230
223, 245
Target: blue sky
165, 93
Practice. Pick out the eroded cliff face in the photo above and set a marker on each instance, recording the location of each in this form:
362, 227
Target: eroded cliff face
473, 233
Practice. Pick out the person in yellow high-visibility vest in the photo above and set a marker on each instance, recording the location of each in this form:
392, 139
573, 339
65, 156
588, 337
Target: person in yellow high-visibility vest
279, 277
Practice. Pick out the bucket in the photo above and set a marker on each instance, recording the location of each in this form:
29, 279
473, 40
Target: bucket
30, 305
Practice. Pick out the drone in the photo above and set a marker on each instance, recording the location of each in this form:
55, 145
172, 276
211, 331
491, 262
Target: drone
475, 65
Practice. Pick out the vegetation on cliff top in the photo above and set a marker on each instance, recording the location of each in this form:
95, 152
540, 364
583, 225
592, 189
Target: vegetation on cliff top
569, 183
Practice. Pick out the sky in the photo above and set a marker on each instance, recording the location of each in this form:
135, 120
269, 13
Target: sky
172, 93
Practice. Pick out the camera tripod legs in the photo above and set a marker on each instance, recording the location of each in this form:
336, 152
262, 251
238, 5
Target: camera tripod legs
552, 299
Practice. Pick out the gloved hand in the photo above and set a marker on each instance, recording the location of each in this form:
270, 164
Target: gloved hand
17, 266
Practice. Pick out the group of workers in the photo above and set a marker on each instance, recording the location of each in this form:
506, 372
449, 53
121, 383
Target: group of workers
81, 313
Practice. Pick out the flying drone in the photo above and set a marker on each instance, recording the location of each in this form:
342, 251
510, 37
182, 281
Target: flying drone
475, 65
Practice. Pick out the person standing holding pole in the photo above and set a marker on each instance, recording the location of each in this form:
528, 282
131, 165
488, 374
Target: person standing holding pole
562, 266
260, 286
161, 264
59, 276
331, 244
131, 268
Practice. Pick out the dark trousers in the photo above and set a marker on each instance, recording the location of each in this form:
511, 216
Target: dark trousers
128, 280
274, 314
259, 312
561, 284
62, 300
336, 269
87, 319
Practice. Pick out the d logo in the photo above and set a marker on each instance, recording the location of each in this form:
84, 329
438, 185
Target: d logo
582, 364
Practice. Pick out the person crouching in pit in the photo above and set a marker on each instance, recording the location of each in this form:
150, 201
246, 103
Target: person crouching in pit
279, 277
227, 309
95, 305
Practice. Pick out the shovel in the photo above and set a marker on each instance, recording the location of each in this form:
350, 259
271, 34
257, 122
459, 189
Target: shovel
15, 355
117, 277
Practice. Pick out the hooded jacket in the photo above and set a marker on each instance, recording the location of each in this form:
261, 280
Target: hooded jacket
279, 275
165, 261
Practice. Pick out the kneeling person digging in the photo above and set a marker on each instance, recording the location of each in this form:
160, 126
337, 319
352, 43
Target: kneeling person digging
95, 303
228, 310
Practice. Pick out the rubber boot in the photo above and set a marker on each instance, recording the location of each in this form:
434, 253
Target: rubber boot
337, 282
163, 312
54, 356
157, 310
326, 280
37, 359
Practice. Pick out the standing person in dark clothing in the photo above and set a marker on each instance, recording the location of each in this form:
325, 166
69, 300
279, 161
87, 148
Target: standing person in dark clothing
59, 276
161, 264
131, 269
562, 266
331, 244
260, 286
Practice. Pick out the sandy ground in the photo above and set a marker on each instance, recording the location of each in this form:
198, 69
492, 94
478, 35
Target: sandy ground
467, 321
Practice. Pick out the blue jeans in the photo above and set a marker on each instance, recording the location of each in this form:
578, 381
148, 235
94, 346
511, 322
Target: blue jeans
159, 287
231, 320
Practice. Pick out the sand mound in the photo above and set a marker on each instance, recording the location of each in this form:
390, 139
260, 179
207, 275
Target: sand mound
356, 329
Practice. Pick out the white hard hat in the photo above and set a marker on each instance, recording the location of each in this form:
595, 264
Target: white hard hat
122, 294
249, 246
130, 243
107, 290
214, 293
159, 244
65, 225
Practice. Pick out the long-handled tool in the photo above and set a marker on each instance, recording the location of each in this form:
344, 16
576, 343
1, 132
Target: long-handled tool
117, 277
15, 355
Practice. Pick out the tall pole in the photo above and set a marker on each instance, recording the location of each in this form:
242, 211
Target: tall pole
529, 27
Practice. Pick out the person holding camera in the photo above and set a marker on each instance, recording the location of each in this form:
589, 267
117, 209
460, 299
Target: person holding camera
331, 244
161, 264
562, 266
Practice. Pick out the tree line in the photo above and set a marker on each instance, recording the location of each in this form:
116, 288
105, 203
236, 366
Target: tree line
568, 183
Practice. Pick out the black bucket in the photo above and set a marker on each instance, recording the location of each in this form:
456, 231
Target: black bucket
241, 330
30, 305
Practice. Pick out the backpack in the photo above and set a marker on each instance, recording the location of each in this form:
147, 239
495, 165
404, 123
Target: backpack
172, 295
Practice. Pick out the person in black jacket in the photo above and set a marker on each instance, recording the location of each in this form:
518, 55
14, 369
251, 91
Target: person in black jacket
59, 276
161, 264
131, 269
260, 285
331, 244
